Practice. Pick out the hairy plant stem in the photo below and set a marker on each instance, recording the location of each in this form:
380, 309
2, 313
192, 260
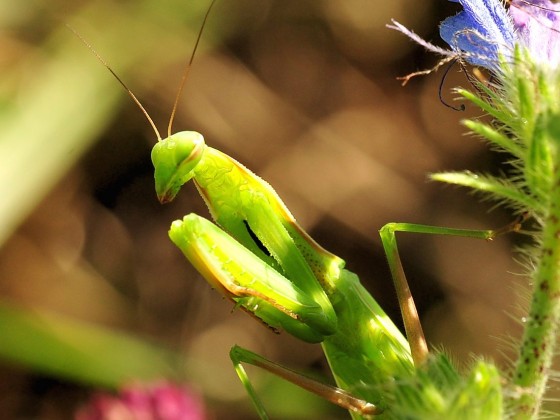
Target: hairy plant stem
538, 346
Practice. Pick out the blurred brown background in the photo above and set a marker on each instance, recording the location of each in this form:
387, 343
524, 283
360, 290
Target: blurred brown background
302, 92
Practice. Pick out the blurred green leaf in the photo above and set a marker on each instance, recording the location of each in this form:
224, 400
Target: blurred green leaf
80, 351
69, 98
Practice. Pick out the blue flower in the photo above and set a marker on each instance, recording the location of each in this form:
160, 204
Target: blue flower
485, 31
481, 32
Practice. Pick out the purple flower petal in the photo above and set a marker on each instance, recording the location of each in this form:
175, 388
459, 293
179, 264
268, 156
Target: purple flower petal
538, 27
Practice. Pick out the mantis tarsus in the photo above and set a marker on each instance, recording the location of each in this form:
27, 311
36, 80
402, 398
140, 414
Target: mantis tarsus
261, 259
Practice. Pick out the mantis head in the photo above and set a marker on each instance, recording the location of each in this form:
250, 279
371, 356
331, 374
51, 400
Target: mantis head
174, 159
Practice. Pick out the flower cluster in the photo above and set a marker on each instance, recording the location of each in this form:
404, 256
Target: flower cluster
486, 31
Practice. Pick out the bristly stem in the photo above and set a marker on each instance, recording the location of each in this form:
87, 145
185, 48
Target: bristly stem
532, 369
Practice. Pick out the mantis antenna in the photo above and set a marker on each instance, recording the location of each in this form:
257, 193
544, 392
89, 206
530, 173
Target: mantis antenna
132, 95
187, 69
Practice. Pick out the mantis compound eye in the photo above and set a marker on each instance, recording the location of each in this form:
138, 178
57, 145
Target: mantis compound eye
174, 159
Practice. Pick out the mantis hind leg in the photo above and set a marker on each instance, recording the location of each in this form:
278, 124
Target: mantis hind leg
331, 393
414, 333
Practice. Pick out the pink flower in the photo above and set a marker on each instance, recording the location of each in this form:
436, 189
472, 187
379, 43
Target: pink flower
159, 401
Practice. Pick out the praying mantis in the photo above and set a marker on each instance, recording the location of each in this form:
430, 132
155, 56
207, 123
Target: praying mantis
257, 256
299, 287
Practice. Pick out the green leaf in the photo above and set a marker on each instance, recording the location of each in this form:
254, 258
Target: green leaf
495, 188
79, 351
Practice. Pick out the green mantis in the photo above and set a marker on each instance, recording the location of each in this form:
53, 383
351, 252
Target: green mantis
257, 256
299, 287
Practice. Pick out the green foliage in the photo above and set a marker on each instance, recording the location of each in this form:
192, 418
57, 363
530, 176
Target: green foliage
526, 120
524, 125
439, 391
74, 350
